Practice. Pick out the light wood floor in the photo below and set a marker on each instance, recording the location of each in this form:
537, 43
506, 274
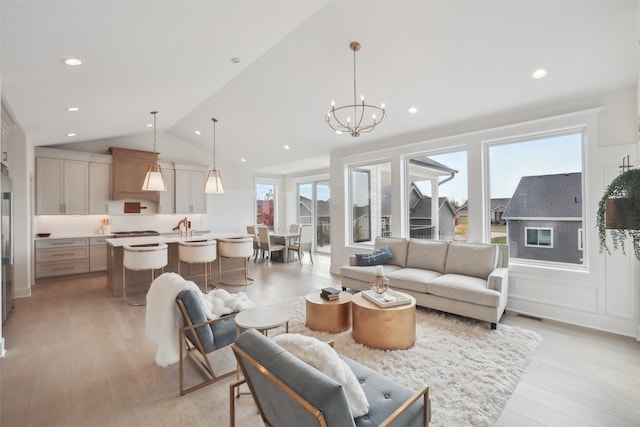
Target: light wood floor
78, 357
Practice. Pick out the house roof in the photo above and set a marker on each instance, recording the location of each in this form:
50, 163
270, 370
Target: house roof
547, 196
422, 209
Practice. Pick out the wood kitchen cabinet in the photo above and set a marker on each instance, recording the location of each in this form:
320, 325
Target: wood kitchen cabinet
190, 195
62, 187
99, 188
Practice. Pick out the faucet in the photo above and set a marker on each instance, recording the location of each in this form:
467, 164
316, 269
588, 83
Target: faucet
185, 225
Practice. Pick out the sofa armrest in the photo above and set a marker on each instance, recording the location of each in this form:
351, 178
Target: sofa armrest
353, 261
499, 280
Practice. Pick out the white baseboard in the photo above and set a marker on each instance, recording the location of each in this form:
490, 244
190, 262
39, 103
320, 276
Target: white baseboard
3, 351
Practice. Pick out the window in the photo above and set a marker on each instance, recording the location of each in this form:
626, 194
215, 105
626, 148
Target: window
370, 195
535, 190
265, 204
542, 237
441, 178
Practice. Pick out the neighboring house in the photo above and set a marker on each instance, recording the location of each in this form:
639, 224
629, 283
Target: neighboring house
420, 222
498, 207
323, 235
544, 218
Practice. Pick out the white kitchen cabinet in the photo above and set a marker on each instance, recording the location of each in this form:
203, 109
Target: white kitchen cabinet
99, 188
190, 195
61, 257
98, 254
62, 186
167, 203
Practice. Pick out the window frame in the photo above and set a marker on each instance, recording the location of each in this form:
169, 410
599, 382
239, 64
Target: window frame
538, 229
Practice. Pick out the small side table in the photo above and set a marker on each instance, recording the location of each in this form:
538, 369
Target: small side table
391, 328
262, 318
329, 316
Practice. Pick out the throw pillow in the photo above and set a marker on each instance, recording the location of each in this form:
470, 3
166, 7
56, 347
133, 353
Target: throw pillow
381, 255
324, 358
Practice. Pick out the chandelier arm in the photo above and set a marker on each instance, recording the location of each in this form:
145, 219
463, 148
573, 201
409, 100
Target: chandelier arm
337, 120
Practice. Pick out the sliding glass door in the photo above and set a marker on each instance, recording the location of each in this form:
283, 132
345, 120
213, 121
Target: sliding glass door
313, 209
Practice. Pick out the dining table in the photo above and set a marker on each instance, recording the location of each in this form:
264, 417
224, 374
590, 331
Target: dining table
285, 238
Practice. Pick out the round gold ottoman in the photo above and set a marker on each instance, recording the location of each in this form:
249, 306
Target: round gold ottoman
329, 316
391, 328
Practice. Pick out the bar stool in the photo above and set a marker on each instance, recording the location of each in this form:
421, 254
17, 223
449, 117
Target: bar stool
198, 252
235, 248
141, 258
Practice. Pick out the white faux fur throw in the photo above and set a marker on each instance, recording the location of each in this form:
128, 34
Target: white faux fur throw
163, 318
324, 358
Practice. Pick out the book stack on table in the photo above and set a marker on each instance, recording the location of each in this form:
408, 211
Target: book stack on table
330, 293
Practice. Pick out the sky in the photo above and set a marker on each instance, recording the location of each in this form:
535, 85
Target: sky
510, 162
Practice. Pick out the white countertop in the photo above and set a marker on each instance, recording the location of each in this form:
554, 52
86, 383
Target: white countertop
146, 240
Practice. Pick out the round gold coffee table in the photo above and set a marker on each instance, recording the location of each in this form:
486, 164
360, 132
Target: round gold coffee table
391, 328
329, 316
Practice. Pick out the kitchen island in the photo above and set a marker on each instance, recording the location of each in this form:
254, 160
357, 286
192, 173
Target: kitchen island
140, 280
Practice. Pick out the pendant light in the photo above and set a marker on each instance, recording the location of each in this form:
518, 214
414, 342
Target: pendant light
214, 179
154, 180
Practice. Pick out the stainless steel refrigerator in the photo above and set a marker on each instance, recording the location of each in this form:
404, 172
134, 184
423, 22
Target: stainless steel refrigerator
7, 244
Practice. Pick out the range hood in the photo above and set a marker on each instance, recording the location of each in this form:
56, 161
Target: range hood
129, 170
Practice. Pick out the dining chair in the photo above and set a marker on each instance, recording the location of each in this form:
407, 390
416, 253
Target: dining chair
304, 242
266, 245
294, 228
252, 231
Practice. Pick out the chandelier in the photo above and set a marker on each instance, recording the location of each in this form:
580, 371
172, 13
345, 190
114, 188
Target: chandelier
351, 118
214, 179
154, 180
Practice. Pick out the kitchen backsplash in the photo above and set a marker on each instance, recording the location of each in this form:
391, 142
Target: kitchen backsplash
89, 225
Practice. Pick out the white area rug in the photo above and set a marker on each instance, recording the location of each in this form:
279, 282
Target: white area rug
471, 371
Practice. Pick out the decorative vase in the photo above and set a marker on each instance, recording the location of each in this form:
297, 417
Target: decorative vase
380, 284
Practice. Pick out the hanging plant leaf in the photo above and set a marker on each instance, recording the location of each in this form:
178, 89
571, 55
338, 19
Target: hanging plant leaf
619, 211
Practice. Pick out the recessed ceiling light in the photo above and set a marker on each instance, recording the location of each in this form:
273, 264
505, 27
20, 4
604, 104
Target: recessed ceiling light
72, 109
235, 60
243, 160
197, 132
539, 73
74, 62
339, 132
71, 134
150, 125
286, 147
413, 110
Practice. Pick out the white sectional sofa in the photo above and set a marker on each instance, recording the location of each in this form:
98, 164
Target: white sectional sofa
468, 279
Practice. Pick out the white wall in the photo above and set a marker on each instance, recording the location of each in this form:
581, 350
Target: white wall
605, 294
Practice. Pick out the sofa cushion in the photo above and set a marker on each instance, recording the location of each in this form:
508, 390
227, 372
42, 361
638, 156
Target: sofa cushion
427, 254
379, 256
398, 248
411, 279
464, 288
471, 259
365, 274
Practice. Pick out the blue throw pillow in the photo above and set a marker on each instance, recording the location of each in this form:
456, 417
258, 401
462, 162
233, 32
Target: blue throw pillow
379, 256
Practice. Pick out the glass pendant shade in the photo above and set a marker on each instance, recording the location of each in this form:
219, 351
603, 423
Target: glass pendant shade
214, 179
154, 180
214, 182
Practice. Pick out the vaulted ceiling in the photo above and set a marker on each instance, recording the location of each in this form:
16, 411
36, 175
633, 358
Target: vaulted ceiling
452, 60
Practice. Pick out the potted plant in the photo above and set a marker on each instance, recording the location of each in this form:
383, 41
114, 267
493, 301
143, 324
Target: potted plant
619, 212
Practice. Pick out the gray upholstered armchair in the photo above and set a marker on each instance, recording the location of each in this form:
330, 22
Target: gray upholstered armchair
290, 392
200, 336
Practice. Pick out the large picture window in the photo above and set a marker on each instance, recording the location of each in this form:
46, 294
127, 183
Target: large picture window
536, 197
